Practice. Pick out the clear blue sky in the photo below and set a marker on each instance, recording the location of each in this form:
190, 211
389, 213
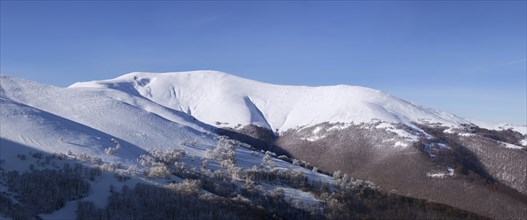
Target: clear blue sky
464, 57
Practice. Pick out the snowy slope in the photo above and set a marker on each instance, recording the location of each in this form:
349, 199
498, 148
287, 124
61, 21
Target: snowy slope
51, 133
36, 117
519, 128
214, 97
85, 120
25, 130
136, 121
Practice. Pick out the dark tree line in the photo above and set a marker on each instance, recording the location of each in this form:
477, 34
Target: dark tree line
44, 191
229, 193
146, 201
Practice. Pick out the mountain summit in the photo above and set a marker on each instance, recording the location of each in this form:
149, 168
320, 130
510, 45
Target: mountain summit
219, 98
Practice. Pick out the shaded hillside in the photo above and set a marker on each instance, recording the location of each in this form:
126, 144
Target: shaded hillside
420, 169
55, 181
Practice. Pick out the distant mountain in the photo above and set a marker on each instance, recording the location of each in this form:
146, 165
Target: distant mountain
161, 128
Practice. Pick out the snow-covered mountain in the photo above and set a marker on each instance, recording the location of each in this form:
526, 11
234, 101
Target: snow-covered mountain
365, 132
79, 118
47, 128
220, 98
139, 122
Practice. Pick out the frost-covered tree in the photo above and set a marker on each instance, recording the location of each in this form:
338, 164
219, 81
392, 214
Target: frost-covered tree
267, 161
296, 162
157, 170
132, 170
204, 163
108, 167
188, 186
278, 194
112, 150
336, 174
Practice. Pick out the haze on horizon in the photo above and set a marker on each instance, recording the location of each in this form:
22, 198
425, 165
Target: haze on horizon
466, 58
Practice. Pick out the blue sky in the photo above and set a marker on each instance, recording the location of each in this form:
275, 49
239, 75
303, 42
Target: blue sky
464, 57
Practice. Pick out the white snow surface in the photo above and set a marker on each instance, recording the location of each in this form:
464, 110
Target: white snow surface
36, 117
442, 174
519, 128
213, 96
84, 120
523, 142
511, 146
401, 133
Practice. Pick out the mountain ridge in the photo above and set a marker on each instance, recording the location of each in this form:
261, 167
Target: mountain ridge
282, 107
